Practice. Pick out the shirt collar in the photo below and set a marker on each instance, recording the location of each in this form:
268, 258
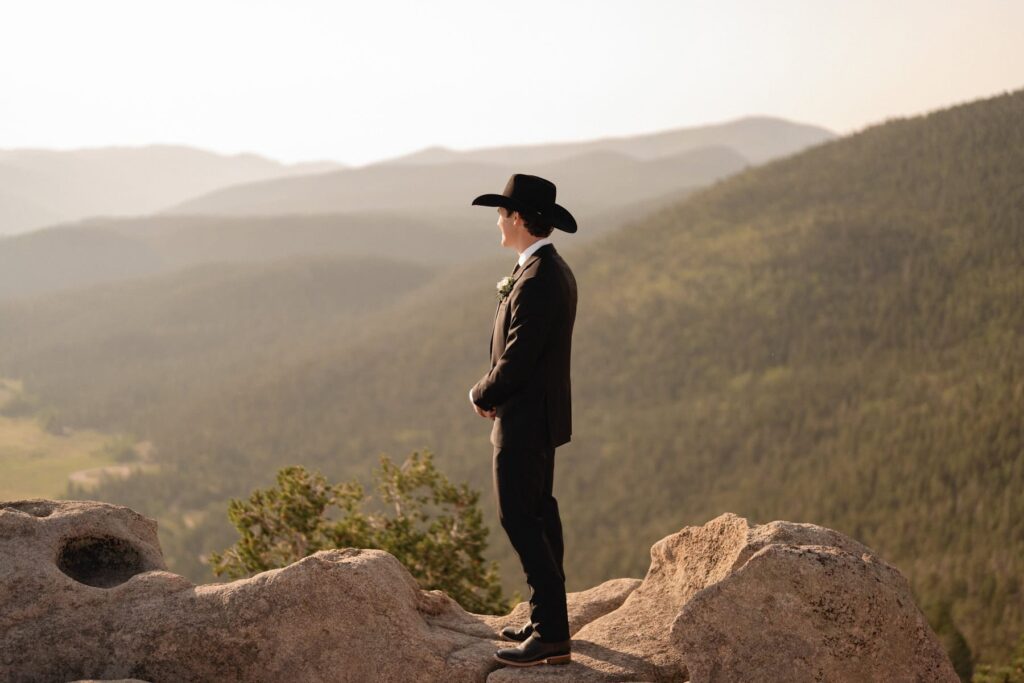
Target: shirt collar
532, 248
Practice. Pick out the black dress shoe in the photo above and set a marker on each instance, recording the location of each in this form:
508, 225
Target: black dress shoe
517, 634
533, 651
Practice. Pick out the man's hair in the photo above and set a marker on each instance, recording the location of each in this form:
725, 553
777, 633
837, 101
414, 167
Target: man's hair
535, 226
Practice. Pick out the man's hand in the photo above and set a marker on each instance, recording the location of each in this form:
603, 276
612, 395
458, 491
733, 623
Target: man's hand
484, 413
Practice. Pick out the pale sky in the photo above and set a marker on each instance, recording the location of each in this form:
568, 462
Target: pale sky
361, 81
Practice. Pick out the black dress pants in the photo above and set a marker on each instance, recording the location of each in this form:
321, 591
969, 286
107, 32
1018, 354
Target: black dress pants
523, 480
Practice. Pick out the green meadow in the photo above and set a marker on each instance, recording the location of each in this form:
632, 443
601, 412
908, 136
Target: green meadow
36, 462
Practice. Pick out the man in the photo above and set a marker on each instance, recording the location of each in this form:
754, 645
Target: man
527, 395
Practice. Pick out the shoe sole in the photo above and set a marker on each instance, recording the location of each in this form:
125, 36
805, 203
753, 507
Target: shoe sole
554, 659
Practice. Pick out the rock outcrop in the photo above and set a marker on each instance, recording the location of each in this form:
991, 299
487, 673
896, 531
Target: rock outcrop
86, 595
808, 613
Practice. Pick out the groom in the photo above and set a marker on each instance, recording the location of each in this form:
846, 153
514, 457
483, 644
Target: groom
527, 395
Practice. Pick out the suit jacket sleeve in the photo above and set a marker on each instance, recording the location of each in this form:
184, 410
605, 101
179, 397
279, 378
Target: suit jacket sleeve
532, 311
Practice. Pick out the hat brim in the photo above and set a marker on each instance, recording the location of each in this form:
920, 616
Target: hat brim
495, 200
557, 215
561, 218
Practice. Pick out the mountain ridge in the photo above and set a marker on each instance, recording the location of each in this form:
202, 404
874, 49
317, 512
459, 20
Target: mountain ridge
416, 187
51, 186
643, 145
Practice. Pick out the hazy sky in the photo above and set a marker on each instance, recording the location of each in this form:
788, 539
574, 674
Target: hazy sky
361, 81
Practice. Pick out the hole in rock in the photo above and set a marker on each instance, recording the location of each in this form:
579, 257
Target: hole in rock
36, 508
100, 561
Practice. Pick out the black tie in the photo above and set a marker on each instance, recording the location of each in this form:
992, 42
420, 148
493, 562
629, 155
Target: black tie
516, 269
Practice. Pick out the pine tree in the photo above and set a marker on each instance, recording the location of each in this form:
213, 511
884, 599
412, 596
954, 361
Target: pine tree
432, 526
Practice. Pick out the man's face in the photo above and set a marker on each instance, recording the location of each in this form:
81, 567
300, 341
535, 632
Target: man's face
507, 223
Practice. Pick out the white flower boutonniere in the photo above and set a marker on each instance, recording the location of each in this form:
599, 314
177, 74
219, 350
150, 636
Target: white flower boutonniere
505, 287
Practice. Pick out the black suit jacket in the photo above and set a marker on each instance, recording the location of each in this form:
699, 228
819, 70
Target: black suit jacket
531, 345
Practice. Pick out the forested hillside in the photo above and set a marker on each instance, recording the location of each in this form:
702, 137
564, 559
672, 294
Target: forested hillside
835, 337
164, 340
110, 250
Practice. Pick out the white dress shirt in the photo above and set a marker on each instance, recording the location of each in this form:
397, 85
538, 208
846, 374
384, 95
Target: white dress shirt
525, 254
532, 248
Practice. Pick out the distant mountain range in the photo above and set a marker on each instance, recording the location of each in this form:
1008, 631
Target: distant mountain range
414, 212
832, 337
595, 180
40, 187
756, 138
593, 174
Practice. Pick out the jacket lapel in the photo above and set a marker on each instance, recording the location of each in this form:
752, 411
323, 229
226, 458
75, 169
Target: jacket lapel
533, 257
490, 346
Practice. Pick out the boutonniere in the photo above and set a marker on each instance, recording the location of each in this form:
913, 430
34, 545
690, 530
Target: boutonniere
505, 287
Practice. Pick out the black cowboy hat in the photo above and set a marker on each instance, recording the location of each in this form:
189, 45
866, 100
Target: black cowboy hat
531, 196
